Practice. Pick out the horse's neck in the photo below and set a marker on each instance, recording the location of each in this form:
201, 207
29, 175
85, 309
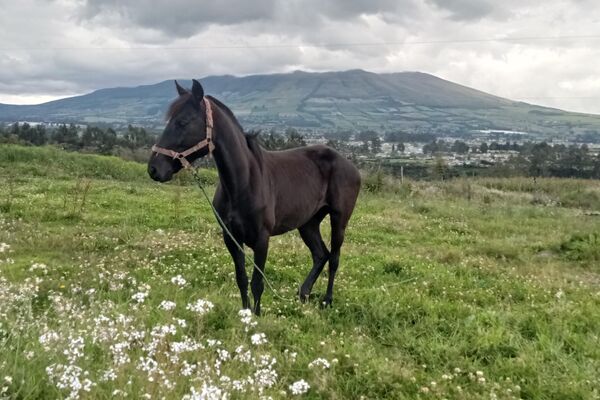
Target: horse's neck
232, 156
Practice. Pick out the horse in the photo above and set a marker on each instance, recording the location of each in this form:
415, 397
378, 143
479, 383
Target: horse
260, 193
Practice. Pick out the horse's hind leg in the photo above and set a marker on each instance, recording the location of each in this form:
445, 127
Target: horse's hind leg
338, 229
311, 235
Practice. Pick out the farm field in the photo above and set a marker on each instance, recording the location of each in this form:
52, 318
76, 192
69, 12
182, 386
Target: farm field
114, 286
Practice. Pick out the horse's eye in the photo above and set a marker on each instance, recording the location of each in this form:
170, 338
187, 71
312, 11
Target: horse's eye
181, 123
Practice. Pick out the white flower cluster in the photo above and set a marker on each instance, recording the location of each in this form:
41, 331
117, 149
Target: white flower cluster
319, 362
140, 296
4, 247
178, 280
36, 266
258, 339
200, 307
246, 319
207, 392
167, 305
162, 355
299, 387
70, 376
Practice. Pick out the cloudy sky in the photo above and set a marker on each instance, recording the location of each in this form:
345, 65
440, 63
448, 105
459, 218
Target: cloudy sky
543, 52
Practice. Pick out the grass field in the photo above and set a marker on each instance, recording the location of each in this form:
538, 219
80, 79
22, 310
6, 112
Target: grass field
114, 286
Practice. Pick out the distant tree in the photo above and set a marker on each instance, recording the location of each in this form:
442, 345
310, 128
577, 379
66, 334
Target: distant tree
596, 167
440, 168
89, 136
541, 159
67, 136
15, 130
107, 141
436, 146
136, 137
24, 132
294, 138
459, 147
483, 148
41, 136
376, 145
272, 141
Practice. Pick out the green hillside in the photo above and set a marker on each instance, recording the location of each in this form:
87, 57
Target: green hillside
353, 99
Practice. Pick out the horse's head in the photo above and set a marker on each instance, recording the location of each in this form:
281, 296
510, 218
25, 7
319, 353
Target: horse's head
186, 127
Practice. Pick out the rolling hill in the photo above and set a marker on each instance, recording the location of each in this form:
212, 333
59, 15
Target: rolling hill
354, 99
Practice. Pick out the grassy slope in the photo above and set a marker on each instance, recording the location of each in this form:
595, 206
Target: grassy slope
348, 100
433, 286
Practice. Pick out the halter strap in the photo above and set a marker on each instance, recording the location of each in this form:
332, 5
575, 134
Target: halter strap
207, 142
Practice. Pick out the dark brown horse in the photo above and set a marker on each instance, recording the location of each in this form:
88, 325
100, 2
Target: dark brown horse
261, 193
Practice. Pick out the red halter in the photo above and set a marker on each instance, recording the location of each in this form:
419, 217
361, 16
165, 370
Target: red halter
202, 144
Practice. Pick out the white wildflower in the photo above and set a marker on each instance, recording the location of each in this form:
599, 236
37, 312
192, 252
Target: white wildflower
187, 369
243, 355
258, 339
167, 305
299, 387
200, 307
35, 266
290, 354
265, 377
246, 319
4, 247
108, 375
178, 280
223, 354
207, 392
140, 296
47, 338
319, 362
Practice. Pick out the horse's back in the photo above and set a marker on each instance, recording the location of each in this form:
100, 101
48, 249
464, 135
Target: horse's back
308, 178
327, 161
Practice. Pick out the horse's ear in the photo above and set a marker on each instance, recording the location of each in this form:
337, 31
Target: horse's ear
180, 90
197, 90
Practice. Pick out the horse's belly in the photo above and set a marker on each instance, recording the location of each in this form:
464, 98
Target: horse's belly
292, 218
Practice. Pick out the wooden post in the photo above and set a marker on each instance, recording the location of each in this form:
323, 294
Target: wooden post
402, 174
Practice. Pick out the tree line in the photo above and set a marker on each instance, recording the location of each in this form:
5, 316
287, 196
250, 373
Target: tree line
530, 159
72, 137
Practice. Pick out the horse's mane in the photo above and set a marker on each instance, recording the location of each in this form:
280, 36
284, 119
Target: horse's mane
251, 137
254, 145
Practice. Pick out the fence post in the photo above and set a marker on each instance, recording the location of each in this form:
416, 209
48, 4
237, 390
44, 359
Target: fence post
402, 174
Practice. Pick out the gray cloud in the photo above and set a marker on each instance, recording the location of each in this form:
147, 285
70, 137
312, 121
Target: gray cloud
177, 17
58, 48
465, 9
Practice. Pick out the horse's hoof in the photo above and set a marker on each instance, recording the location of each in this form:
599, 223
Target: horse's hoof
325, 303
304, 297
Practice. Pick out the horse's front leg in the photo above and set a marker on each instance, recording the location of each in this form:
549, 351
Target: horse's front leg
240, 268
261, 248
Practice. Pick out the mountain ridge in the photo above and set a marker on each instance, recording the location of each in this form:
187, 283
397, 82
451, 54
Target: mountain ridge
348, 100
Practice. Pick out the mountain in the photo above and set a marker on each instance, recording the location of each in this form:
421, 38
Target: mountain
352, 99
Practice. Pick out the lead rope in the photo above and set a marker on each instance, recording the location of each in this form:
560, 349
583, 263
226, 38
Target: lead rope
198, 180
